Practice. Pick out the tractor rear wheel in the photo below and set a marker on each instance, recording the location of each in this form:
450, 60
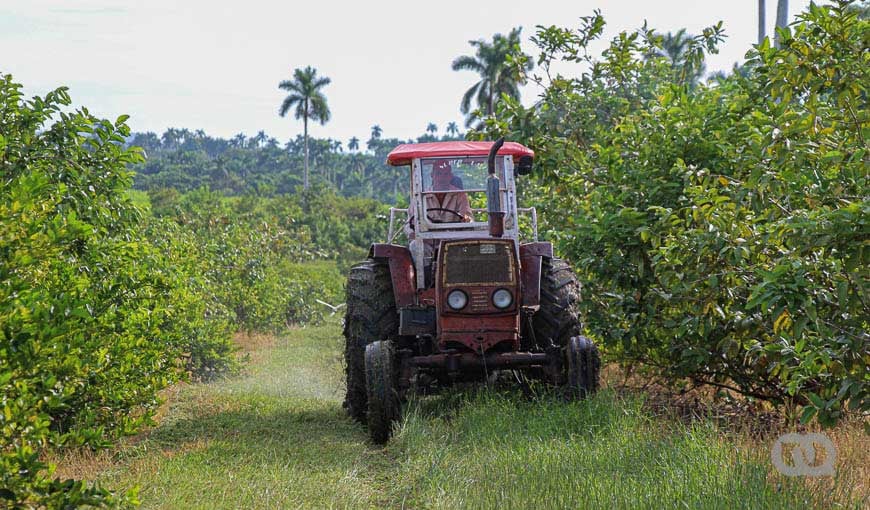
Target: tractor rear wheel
382, 390
558, 318
370, 316
583, 366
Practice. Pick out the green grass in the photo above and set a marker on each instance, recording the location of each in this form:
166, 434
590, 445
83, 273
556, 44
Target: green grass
604, 453
277, 437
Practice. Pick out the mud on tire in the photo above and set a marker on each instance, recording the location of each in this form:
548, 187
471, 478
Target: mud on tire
583, 367
382, 390
558, 318
370, 316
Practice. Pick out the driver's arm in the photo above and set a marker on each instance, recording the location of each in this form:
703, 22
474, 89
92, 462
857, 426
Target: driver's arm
464, 207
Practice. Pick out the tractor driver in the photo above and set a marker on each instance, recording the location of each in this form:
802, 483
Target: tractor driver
447, 207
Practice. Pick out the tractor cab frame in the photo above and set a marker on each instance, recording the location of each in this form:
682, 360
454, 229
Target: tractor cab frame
468, 162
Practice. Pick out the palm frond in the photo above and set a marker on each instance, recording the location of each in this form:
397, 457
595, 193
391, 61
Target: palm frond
321, 82
465, 106
483, 96
467, 63
319, 110
288, 103
300, 110
508, 88
303, 75
290, 86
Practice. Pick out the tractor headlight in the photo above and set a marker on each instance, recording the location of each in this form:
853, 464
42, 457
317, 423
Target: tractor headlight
502, 298
457, 299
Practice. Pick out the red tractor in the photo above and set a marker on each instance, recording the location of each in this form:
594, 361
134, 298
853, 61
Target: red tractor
466, 297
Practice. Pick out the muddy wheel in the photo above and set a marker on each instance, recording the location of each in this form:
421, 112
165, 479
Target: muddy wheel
370, 316
558, 318
382, 390
583, 367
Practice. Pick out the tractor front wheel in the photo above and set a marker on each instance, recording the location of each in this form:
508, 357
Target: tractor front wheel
583, 365
382, 390
370, 316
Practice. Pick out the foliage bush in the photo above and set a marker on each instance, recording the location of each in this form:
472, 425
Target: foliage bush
268, 260
104, 302
720, 230
94, 319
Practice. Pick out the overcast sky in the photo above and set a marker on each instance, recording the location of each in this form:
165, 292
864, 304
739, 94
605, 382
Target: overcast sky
216, 65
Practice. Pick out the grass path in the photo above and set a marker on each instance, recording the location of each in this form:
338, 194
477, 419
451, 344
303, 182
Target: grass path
277, 437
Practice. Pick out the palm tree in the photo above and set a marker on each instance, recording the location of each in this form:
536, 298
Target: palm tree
374, 142
496, 77
309, 101
432, 128
238, 140
675, 48
781, 19
452, 128
353, 144
761, 21
258, 140
170, 138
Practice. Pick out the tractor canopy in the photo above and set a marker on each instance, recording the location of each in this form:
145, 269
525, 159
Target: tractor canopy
459, 189
403, 154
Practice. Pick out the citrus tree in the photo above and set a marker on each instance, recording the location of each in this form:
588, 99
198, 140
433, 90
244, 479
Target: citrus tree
94, 319
721, 231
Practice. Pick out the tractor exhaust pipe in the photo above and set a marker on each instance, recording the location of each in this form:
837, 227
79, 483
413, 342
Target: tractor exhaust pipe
493, 198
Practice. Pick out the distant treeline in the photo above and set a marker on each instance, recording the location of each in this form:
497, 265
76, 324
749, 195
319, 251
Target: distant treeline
185, 160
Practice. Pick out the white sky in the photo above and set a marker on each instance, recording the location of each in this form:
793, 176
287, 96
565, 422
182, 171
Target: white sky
216, 65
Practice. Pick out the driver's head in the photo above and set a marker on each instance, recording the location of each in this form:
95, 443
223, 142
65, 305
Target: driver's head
442, 174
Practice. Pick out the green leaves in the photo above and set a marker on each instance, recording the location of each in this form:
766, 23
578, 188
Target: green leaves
246, 253
721, 231
86, 301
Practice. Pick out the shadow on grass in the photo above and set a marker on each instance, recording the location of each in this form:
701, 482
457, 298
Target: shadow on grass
257, 455
474, 413
446, 401
260, 427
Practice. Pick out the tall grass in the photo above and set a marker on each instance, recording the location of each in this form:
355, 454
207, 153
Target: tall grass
489, 450
278, 438
274, 438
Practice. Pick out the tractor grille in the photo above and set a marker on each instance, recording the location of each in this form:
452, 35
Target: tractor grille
479, 262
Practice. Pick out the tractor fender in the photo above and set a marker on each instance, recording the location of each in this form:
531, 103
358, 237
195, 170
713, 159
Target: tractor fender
401, 271
531, 255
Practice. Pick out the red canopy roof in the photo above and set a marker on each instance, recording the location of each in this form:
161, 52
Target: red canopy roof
403, 154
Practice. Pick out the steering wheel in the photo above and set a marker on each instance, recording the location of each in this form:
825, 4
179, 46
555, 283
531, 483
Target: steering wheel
429, 209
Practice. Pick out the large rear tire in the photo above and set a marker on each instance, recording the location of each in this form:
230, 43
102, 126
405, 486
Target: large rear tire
382, 390
558, 318
370, 316
583, 366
